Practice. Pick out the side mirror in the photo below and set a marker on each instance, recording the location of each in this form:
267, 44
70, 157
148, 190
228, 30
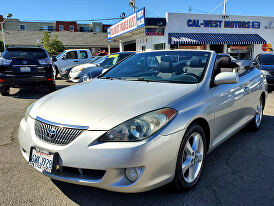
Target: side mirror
226, 78
64, 57
54, 59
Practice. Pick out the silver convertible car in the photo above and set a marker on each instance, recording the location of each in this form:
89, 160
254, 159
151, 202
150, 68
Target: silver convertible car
150, 120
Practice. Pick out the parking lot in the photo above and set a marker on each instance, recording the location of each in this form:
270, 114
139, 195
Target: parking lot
239, 172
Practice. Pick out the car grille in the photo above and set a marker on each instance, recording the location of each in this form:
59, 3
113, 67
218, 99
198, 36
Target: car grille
55, 134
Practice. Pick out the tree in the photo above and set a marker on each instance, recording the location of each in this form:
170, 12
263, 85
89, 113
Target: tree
1, 46
53, 46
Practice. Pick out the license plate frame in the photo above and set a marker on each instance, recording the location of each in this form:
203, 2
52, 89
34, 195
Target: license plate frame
25, 69
43, 162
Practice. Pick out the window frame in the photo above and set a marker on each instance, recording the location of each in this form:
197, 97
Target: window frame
71, 52
61, 25
20, 27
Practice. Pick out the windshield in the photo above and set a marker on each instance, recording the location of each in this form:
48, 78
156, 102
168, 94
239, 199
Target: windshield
25, 54
61, 54
100, 60
113, 59
169, 66
94, 59
267, 59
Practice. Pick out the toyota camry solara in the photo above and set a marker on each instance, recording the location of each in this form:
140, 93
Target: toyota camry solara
150, 120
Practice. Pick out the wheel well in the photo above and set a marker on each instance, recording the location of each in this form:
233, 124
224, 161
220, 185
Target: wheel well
263, 98
204, 124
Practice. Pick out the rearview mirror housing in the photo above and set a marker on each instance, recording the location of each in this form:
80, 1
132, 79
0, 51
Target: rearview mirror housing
226, 78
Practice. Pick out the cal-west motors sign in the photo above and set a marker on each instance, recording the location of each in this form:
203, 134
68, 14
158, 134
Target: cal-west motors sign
224, 24
130, 23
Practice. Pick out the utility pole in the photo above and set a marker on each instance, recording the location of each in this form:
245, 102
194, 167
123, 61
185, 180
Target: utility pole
189, 10
132, 4
3, 32
224, 11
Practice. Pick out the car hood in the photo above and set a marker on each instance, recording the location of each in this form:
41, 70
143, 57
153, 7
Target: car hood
83, 66
102, 104
267, 67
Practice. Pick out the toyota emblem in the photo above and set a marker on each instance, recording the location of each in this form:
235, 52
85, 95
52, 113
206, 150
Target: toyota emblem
51, 133
24, 62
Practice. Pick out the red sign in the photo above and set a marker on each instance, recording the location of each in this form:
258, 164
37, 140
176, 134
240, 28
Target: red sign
123, 26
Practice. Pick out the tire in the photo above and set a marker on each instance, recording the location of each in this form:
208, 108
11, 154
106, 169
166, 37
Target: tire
52, 87
191, 158
5, 90
255, 124
56, 72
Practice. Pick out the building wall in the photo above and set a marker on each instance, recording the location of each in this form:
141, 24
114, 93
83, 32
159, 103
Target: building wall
178, 23
13, 25
66, 25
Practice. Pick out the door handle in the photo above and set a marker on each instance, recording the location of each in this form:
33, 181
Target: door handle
76, 61
246, 89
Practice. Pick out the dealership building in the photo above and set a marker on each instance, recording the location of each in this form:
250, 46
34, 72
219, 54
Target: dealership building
243, 37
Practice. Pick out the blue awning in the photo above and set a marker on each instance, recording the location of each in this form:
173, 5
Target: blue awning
209, 38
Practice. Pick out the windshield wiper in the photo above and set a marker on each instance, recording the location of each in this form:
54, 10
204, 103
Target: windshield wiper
111, 78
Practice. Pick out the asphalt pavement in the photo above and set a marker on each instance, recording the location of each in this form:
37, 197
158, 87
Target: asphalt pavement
239, 172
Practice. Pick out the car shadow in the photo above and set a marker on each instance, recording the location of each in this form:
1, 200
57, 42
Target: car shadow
230, 176
33, 93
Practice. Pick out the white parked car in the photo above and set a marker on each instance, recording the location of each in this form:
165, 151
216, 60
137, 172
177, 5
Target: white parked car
71, 57
75, 72
148, 121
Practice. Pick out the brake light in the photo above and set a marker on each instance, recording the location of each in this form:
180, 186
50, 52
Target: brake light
50, 79
2, 80
44, 61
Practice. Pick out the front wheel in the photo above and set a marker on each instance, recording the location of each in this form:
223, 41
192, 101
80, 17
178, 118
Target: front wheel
5, 90
190, 159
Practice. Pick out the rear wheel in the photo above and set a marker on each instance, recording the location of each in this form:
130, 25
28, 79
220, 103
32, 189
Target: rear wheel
190, 158
5, 90
52, 87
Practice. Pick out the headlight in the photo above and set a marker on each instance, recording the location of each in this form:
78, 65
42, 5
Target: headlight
140, 127
265, 72
4, 61
28, 111
44, 61
78, 70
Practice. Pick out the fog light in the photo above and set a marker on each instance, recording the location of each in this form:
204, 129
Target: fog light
131, 174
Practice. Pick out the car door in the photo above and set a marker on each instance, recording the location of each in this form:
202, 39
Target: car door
71, 59
83, 56
228, 100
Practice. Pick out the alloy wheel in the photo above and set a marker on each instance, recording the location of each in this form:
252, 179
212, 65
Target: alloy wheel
259, 114
192, 157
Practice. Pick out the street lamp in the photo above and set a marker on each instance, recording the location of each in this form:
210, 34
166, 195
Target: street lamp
2, 27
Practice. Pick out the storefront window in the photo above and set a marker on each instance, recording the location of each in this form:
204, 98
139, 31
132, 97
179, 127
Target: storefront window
160, 46
240, 52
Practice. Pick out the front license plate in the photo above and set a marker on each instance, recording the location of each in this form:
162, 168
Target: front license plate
24, 69
41, 159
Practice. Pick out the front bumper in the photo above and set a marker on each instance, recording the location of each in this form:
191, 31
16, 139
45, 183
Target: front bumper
154, 159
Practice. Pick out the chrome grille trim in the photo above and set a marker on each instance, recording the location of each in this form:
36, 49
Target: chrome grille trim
55, 133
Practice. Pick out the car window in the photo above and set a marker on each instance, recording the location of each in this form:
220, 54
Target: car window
172, 66
72, 55
83, 55
267, 59
25, 53
113, 59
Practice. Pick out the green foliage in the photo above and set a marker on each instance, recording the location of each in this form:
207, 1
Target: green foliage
53, 46
1, 46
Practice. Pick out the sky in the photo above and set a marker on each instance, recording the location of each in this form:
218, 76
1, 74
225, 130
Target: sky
52, 10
